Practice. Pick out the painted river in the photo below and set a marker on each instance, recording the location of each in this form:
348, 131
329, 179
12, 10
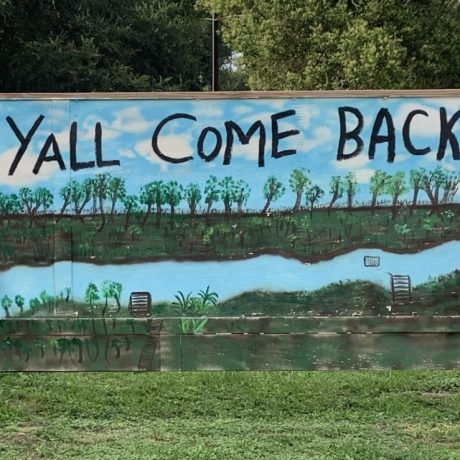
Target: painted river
229, 278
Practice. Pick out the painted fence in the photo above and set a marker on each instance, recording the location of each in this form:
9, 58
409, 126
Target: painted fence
230, 231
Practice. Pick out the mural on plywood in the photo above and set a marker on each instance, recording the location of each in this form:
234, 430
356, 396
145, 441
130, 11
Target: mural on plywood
306, 207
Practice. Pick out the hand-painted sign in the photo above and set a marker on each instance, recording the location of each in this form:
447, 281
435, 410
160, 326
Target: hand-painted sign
229, 233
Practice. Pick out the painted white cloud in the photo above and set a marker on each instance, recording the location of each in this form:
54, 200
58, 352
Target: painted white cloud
87, 132
421, 125
127, 153
352, 164
242, 109
23, 175
363, 176
208, 109
130, 120
174, 146
305, 115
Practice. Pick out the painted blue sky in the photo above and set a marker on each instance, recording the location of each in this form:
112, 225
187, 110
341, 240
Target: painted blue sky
128, 126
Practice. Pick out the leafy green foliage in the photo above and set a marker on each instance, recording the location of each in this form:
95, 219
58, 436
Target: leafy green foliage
342, 44
103, 45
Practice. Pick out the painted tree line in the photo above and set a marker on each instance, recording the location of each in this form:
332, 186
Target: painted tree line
105, 194
47, 302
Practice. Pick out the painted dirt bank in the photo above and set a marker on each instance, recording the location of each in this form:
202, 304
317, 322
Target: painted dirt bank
130, 227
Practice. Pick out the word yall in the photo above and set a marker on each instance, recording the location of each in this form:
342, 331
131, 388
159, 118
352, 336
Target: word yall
51, 144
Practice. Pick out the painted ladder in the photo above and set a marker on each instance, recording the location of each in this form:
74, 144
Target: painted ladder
139, 304
401, 289
148, 352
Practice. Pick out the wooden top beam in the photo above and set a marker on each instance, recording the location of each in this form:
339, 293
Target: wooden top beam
234, 95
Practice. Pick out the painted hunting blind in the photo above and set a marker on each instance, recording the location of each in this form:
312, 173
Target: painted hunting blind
188, 231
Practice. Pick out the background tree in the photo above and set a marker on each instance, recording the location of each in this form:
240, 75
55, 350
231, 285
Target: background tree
101, 187
351, 188
432, 183
6, 305
416, 181
116, 190
153, 193
104, 45
336, 189
115, 292
228, 193
19, 301
333, 44
131, 206
450, 187
377, 185
91, 295
173, 194
193, 196
242, 194
313, 194
298, 182
211, 192
273, 190
396, 186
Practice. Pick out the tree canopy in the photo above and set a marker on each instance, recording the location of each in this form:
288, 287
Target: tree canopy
103, 45
343, 44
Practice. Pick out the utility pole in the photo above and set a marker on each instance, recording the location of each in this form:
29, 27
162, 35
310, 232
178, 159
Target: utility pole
215, 53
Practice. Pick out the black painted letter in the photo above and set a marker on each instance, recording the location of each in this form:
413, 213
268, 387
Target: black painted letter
447, 135
406, 134
25, 141
74, 164
349, 135
217, 147
244, 139
377, 138
101, 163
277, 136
50, 141
156, 133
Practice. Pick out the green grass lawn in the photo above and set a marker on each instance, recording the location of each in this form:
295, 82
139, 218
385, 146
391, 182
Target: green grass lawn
217, 415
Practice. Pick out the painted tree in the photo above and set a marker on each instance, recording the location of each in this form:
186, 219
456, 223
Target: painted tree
313, 194
106, 292
81, 195
227, 193
65, 192
34, 305
336, 189
211, 192
115, 292
273, 190
6, 305
242, 194
377, 185
131, 206
433, 182
19, 301
26, 199
396, 186
416, 178
299, 182
173, 193
116, 190
351, 188
91, 295
193, 196
152, 194
101, 186
43, 198
450, 186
